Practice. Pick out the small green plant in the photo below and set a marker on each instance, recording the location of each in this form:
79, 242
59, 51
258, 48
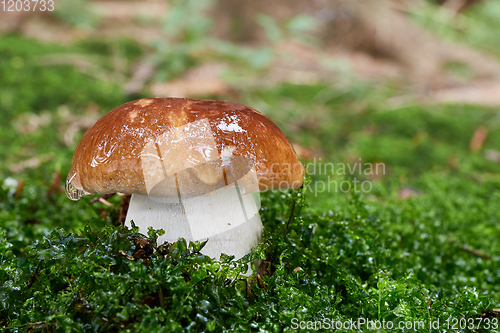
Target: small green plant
77, 13
187, 38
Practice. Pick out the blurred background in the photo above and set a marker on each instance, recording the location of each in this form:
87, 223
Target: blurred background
411, 84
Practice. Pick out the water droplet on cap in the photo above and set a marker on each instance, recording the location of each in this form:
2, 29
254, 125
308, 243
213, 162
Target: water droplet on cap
72, 192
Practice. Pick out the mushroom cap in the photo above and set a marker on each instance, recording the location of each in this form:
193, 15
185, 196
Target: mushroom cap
150, 146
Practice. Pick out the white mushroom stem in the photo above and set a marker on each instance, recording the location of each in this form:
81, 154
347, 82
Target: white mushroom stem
228, 218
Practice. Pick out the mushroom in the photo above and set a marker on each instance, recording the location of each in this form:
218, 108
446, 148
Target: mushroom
193, 167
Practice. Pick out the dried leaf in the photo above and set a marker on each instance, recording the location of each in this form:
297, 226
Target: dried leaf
304, 152
19, 189
125, 255
200, 81
478, 139
495, 313
492, 155
55, 186
260, 282
30, 122
148, 300
476, 93
406, 193
26, 164
73, 123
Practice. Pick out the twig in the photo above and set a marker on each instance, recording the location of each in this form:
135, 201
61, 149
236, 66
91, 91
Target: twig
102, 199
475, 253
126, 255
106, 202
160, 295
290, 218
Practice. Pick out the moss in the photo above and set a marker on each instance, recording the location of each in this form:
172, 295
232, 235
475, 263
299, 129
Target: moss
341, 256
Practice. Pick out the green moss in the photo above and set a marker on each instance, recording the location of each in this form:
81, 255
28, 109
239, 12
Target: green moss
341, 256
28, 80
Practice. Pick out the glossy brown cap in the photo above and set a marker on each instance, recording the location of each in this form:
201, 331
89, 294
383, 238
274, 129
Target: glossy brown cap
144, 141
